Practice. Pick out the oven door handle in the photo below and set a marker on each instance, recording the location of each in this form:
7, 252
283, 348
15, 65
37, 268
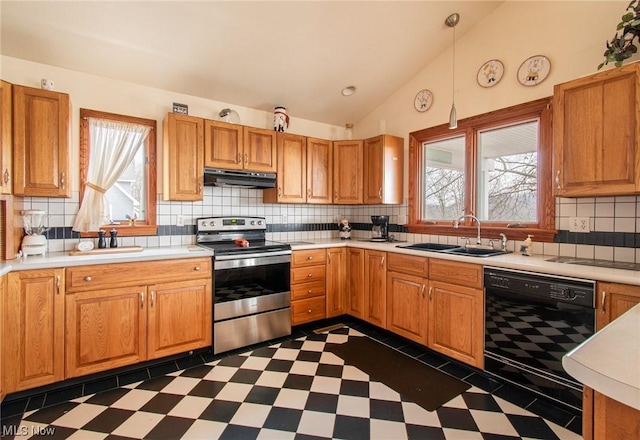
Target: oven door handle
244, 256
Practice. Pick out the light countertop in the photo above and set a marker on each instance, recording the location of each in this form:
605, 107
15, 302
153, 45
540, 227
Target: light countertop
609, 361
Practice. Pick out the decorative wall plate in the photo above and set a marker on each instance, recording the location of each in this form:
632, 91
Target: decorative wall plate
490, 73
423, 100
534, 70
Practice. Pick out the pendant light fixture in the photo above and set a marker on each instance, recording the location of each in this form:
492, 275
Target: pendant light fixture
451, 21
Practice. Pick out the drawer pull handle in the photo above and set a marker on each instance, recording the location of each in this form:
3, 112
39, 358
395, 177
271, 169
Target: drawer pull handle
239, 158
88, 278
558, 179
430, 296
246, 158
58, 285
6, 176
153, 297
604, 304
197, 268
382, 262
142, 300
423, 287
62, 180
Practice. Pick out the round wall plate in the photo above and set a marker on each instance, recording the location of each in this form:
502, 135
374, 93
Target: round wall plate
423, 100
490, 73
534, 70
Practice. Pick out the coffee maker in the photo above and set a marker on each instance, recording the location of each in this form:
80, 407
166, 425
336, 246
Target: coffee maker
380, 229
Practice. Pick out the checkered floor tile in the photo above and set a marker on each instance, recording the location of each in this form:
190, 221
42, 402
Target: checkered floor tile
291, 390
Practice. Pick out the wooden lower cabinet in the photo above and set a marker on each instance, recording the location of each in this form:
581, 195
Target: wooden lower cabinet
605, 418
3, 290
308, 278
33, 321
355, 282
375, 291
407, 306
336, 282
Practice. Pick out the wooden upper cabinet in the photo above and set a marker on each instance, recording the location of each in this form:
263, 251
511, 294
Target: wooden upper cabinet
183, 162
383, 170
319, 170
41, 143
291, 182
596, 130
6, 138
347, 172
223, 145
259, 149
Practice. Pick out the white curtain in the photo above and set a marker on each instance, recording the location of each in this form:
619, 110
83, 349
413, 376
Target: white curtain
113, 146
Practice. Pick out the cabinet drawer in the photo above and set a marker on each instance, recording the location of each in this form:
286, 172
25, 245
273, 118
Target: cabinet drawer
307, 290
307, 310
103, 276
308, 258
305, 274
409, 264
462, 274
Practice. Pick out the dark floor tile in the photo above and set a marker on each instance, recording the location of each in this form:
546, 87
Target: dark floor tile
156, 383
108, 420
220, 411
133, 376
108, 398
298, 382
279, 365
162, 403
207, 388
209, 357
417, 432
294, 344
351, 428
170, 428
98, 386
498, 437
63, 395
262, 395
456, 418
14, 407
51, 413
117, 437
575, 425
329, 370
515, 395
551, 412
354, 388
455, 370
265, 352
189, 362
309, 356
162, 369
432, 359
232, 361
386, 410
235, 432
309, 437
394, 342
412, 350
197, 372
283, 419
481, 401
246, 376
532, 427
322, 402
36, 402
483, 382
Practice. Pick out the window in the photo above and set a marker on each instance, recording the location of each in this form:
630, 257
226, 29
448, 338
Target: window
133, 193
495, 166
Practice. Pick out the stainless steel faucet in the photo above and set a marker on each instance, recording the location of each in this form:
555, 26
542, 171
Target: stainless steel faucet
456, 223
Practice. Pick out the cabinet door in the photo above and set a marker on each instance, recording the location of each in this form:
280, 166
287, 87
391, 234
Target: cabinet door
375, 298
373, 170
183, 157
383, 170
336, 279
614, 300
6, 138
355, 265
41, 143
319, 170
223, 145
596, 134
259, 150
34, 329
347, 172
407, 306
614, 420
3, 293
456, 322
179, 317
105, 329
291, 182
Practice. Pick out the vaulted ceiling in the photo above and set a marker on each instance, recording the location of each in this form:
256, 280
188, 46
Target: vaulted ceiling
258, 54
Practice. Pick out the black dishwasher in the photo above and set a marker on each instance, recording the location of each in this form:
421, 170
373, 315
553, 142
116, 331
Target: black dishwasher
531, 321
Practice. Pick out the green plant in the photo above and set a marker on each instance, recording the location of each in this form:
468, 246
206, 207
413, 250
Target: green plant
622, 45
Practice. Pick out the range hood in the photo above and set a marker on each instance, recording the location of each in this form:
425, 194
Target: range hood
244, 179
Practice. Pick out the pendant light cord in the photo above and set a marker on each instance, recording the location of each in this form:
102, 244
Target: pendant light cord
453, 78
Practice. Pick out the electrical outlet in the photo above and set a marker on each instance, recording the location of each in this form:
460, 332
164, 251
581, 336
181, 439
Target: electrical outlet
180, 220
579, 224
283, 218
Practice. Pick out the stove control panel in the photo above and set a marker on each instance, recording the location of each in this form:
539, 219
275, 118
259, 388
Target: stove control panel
208, 224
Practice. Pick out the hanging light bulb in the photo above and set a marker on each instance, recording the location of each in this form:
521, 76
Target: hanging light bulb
451, 21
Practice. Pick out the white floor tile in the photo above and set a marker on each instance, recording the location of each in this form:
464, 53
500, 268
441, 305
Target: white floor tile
286, 354
304, 368
221, 373
138, 425
380, 391
190, 407
256, 363
251, 414
416, 415
80, 416
458, 434
386, 429
328, 385
493, 422
87, 435
234, 392
317, 423
352, 373
272, 434
273, 379
288, 398
204, 429
353, 406
313, 346
181, 385
134, 399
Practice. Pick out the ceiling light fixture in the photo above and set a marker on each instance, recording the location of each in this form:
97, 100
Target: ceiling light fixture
348, 91
451, 21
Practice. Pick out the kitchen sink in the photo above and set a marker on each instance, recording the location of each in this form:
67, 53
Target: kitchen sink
454, 249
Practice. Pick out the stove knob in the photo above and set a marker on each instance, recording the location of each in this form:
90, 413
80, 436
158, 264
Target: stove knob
212, 223
569, 294
259, 222
253, 222
204, 223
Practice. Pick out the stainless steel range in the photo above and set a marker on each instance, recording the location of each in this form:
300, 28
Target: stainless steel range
252, 298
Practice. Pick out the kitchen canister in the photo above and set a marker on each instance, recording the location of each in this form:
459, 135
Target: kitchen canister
280, 119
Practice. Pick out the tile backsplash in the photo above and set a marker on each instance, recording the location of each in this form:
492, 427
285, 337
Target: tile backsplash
614, 222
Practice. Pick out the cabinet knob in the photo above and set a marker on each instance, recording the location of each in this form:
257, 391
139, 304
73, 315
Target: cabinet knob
62, 180
308, 192
310, 291
558, 179
197, 268
239, 158
604, 302
310, 275
309, 311
246, 158
6, 176
88, 278
309, 258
